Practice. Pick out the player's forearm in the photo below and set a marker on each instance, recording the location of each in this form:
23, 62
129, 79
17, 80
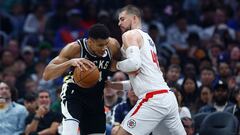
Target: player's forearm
121, 85
132, 62
52, 71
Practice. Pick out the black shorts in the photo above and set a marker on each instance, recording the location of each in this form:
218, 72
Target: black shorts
81, 108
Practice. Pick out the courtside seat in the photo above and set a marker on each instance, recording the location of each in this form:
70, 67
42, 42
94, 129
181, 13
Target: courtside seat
219, 123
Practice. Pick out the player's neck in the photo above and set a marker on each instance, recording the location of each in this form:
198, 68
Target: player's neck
137, 26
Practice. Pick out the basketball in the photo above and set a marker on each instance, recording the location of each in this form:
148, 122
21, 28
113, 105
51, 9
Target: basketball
86, 78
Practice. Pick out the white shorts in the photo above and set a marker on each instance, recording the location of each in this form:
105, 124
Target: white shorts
156, 110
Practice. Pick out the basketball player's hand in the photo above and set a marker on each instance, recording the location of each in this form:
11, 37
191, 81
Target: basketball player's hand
82, 63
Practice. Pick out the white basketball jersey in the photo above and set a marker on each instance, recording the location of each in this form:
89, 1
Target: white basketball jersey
150, 77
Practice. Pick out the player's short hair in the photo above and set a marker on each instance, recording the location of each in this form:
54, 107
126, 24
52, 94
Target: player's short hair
98, 31
131, 9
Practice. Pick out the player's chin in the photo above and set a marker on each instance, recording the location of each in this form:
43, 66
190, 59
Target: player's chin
123, 29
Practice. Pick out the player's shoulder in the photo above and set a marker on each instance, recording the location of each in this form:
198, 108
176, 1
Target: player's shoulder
113, 42
71, 49
134, 33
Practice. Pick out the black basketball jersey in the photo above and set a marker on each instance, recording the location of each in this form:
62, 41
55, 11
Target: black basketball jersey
103, 63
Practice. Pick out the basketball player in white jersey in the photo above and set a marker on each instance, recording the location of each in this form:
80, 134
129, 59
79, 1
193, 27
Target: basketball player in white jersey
157, 106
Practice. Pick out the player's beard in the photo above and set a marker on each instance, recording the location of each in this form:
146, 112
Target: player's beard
127, 29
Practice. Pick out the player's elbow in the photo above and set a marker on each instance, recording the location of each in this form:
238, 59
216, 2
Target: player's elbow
46, 77
129, 65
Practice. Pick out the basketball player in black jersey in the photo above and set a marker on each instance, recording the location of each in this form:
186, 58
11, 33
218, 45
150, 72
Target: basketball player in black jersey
84, 107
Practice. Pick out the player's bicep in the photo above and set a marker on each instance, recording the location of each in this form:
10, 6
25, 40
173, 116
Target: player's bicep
67, 53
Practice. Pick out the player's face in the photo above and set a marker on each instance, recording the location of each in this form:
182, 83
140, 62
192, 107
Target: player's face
125, 21
99, 46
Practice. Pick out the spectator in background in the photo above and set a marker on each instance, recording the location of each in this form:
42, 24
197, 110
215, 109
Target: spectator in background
7, 59
204, 98
235, 109
72, 31
56, 105
183, 110
220, 99
6, 24
56, 20
224, 72
14, 47
175, 59
234, 58
30, 86
207, 76
173, 74
214, 52
43, 121
28, 55
219, 29
190, 92
120, 76
110, 100
34, 26
177, 34
12, 114
9, 77
122, 109
195, 50
19, 69
44, 52
189, 70
41, 83
35, 21
17, 15
30, 102
188, 124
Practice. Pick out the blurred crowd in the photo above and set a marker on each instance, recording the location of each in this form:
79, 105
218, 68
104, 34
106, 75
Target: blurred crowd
198, 43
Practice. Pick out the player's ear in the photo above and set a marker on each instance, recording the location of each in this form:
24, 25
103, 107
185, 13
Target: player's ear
90, 40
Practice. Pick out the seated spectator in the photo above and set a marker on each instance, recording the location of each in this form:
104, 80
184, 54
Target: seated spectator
190, 92
183, 110
207, 76
30, 102
220, 99
43, 121
71, 31
12, 114
188, 125
56, 105
235, 109
120, 76
204, 98
122, 109
173, 74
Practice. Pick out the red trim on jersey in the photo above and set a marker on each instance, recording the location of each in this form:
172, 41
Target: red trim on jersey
147, 97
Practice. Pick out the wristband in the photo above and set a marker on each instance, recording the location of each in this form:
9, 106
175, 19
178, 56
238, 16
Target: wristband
36, 118
126, 85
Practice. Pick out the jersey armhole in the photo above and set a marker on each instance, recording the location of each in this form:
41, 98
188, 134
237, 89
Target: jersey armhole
81, 48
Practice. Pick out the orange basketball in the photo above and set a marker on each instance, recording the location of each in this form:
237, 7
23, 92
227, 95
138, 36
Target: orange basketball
86, 78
